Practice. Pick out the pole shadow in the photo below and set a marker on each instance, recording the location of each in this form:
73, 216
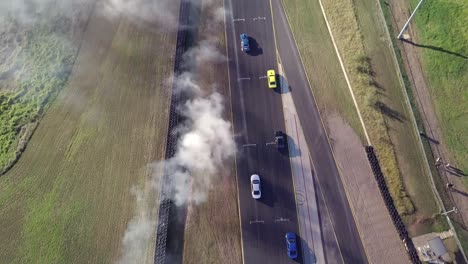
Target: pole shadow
431, 140
455, 171
460, 192
435, 48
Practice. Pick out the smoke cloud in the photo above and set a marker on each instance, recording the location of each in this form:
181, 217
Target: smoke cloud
205, 142
139, 232
160, 12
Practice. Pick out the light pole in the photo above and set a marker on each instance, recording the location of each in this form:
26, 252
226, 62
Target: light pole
448, 212
409, 19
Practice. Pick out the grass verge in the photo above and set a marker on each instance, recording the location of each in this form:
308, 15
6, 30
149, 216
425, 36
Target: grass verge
397, 114
320, 62
69, 199
462, 234
212, 233
442, 34
361, 76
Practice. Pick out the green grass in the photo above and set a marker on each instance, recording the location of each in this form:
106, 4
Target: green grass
462, 234
212, 233
45, 59
320, 61
442, 27
358, 65
401, 130
68, 198
438, 223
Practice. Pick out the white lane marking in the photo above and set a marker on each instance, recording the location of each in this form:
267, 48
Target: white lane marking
256, 222
238, 19
262, 77
249, 145
243, 78
281, 219
345, 74
259, 18
236, 59
270, 143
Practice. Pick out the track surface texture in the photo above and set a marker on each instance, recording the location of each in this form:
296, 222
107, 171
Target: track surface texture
257, 114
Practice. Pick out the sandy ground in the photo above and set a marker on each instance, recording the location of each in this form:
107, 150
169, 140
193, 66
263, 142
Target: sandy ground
377, 231
413, 67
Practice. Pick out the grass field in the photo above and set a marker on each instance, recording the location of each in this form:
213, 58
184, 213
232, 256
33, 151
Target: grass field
360, 70
442, 30
212, 233
320, 62
402, 133
69, 199
36, 62
368, 60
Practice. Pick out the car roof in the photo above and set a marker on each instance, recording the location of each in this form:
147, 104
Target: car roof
254, 177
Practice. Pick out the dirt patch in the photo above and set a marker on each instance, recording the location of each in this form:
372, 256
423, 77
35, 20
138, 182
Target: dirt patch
377, 231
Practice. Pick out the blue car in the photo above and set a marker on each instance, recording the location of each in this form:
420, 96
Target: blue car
245, 42
291, 245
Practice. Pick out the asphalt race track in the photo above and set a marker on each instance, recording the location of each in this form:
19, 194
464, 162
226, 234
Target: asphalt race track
257, 114
327, 173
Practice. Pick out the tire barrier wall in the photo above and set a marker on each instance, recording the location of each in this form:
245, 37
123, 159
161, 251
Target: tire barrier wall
165, 198
374, 162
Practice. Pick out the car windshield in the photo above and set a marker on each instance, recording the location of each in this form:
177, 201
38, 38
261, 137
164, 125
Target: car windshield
256, 192
256, 181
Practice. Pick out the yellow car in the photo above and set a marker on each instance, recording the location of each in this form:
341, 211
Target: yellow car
271, 79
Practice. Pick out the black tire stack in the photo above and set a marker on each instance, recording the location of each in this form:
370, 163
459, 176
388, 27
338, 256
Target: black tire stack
374, 162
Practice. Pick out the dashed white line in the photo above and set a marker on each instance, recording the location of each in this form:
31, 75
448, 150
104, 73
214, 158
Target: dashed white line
256, 222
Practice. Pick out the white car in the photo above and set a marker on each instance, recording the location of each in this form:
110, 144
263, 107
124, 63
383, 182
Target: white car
255, 186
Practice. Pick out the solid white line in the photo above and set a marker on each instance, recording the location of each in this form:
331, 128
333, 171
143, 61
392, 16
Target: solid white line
242, 102
344, 72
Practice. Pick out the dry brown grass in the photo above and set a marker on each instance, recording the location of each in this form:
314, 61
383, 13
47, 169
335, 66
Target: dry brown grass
343, 23
212, 233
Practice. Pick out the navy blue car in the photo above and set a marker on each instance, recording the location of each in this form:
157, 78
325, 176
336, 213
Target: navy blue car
245, 42
291, 245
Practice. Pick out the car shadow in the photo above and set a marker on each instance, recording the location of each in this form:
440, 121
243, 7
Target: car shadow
255, 49
283, 86
300, 243
292, 149
268, 196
